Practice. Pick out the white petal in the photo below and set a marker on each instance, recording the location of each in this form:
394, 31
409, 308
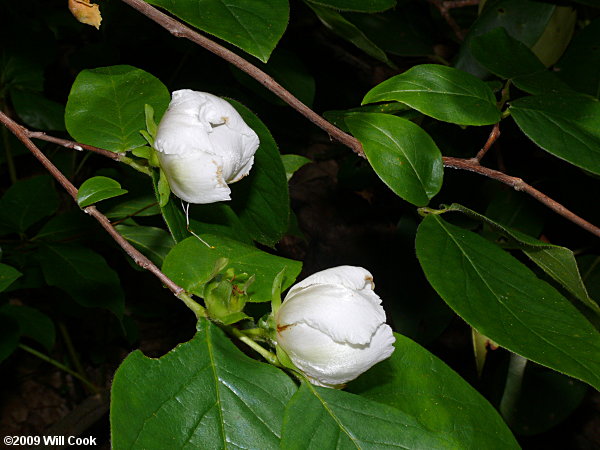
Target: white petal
346, 315
236, 149
196, 178
351, 277
329, 363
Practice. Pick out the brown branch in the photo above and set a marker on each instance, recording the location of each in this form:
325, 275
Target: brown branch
177, 29
519, 185
71, 144
494, 135
23, 135
444, 8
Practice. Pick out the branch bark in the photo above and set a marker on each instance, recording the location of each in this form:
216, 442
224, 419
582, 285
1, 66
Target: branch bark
177, 29
23, 135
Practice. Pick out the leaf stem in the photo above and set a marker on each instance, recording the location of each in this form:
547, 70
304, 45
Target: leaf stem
269, 356
62, 367
512, 388
71, 350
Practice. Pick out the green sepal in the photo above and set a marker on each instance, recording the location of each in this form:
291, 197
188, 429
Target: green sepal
276, 291
285, 360
164, 191
150, 123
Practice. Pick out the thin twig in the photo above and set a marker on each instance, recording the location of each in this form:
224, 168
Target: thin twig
519, 185
177, 29
71, 144
444, 8
80, 147
21, 134
494, 135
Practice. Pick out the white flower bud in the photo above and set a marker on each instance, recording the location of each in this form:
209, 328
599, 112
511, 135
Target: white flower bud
203, 144
332, 326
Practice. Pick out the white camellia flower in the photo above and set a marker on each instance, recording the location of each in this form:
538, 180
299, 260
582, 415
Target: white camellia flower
332, 326
203, 144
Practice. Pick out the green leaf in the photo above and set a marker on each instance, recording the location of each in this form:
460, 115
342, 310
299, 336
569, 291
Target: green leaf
255, 27
84, 275
163, 189
32, 323
38, 111
558, 262
347, 30
556, 36
511, 15
441, 92
566, 126
401, 153
511, 59
28, 201
322, 419
261, 199
106, 106
8, 274
292, 163
357, 5
338, 117
153, 242
204, 393
190, 265
9, 336
96, 189
504, 300
218, 218
417, 383
403, 31
136, 207
580, 65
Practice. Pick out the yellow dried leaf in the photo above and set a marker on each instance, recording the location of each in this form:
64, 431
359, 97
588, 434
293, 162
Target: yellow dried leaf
86, 12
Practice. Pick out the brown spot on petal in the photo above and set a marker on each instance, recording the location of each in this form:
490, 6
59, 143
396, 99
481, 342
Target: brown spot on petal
369, 279
281, 328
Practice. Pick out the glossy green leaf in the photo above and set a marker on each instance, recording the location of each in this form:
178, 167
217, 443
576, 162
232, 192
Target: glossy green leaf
190, 265
37, 111
580, 65
556, 36
32, 323
403, 31
28, 201
255, 27
261, 199
524, 20
9, 336
401, 153
96, 189
84, 275
441, 92
504, 300
558, 262
566, 126
348, 31
136, 207
8, 274
338, 117
106, 106
322, 419
293, 163
417, 383
153, 242
218, 218
204, 393
511, 59
357, 5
